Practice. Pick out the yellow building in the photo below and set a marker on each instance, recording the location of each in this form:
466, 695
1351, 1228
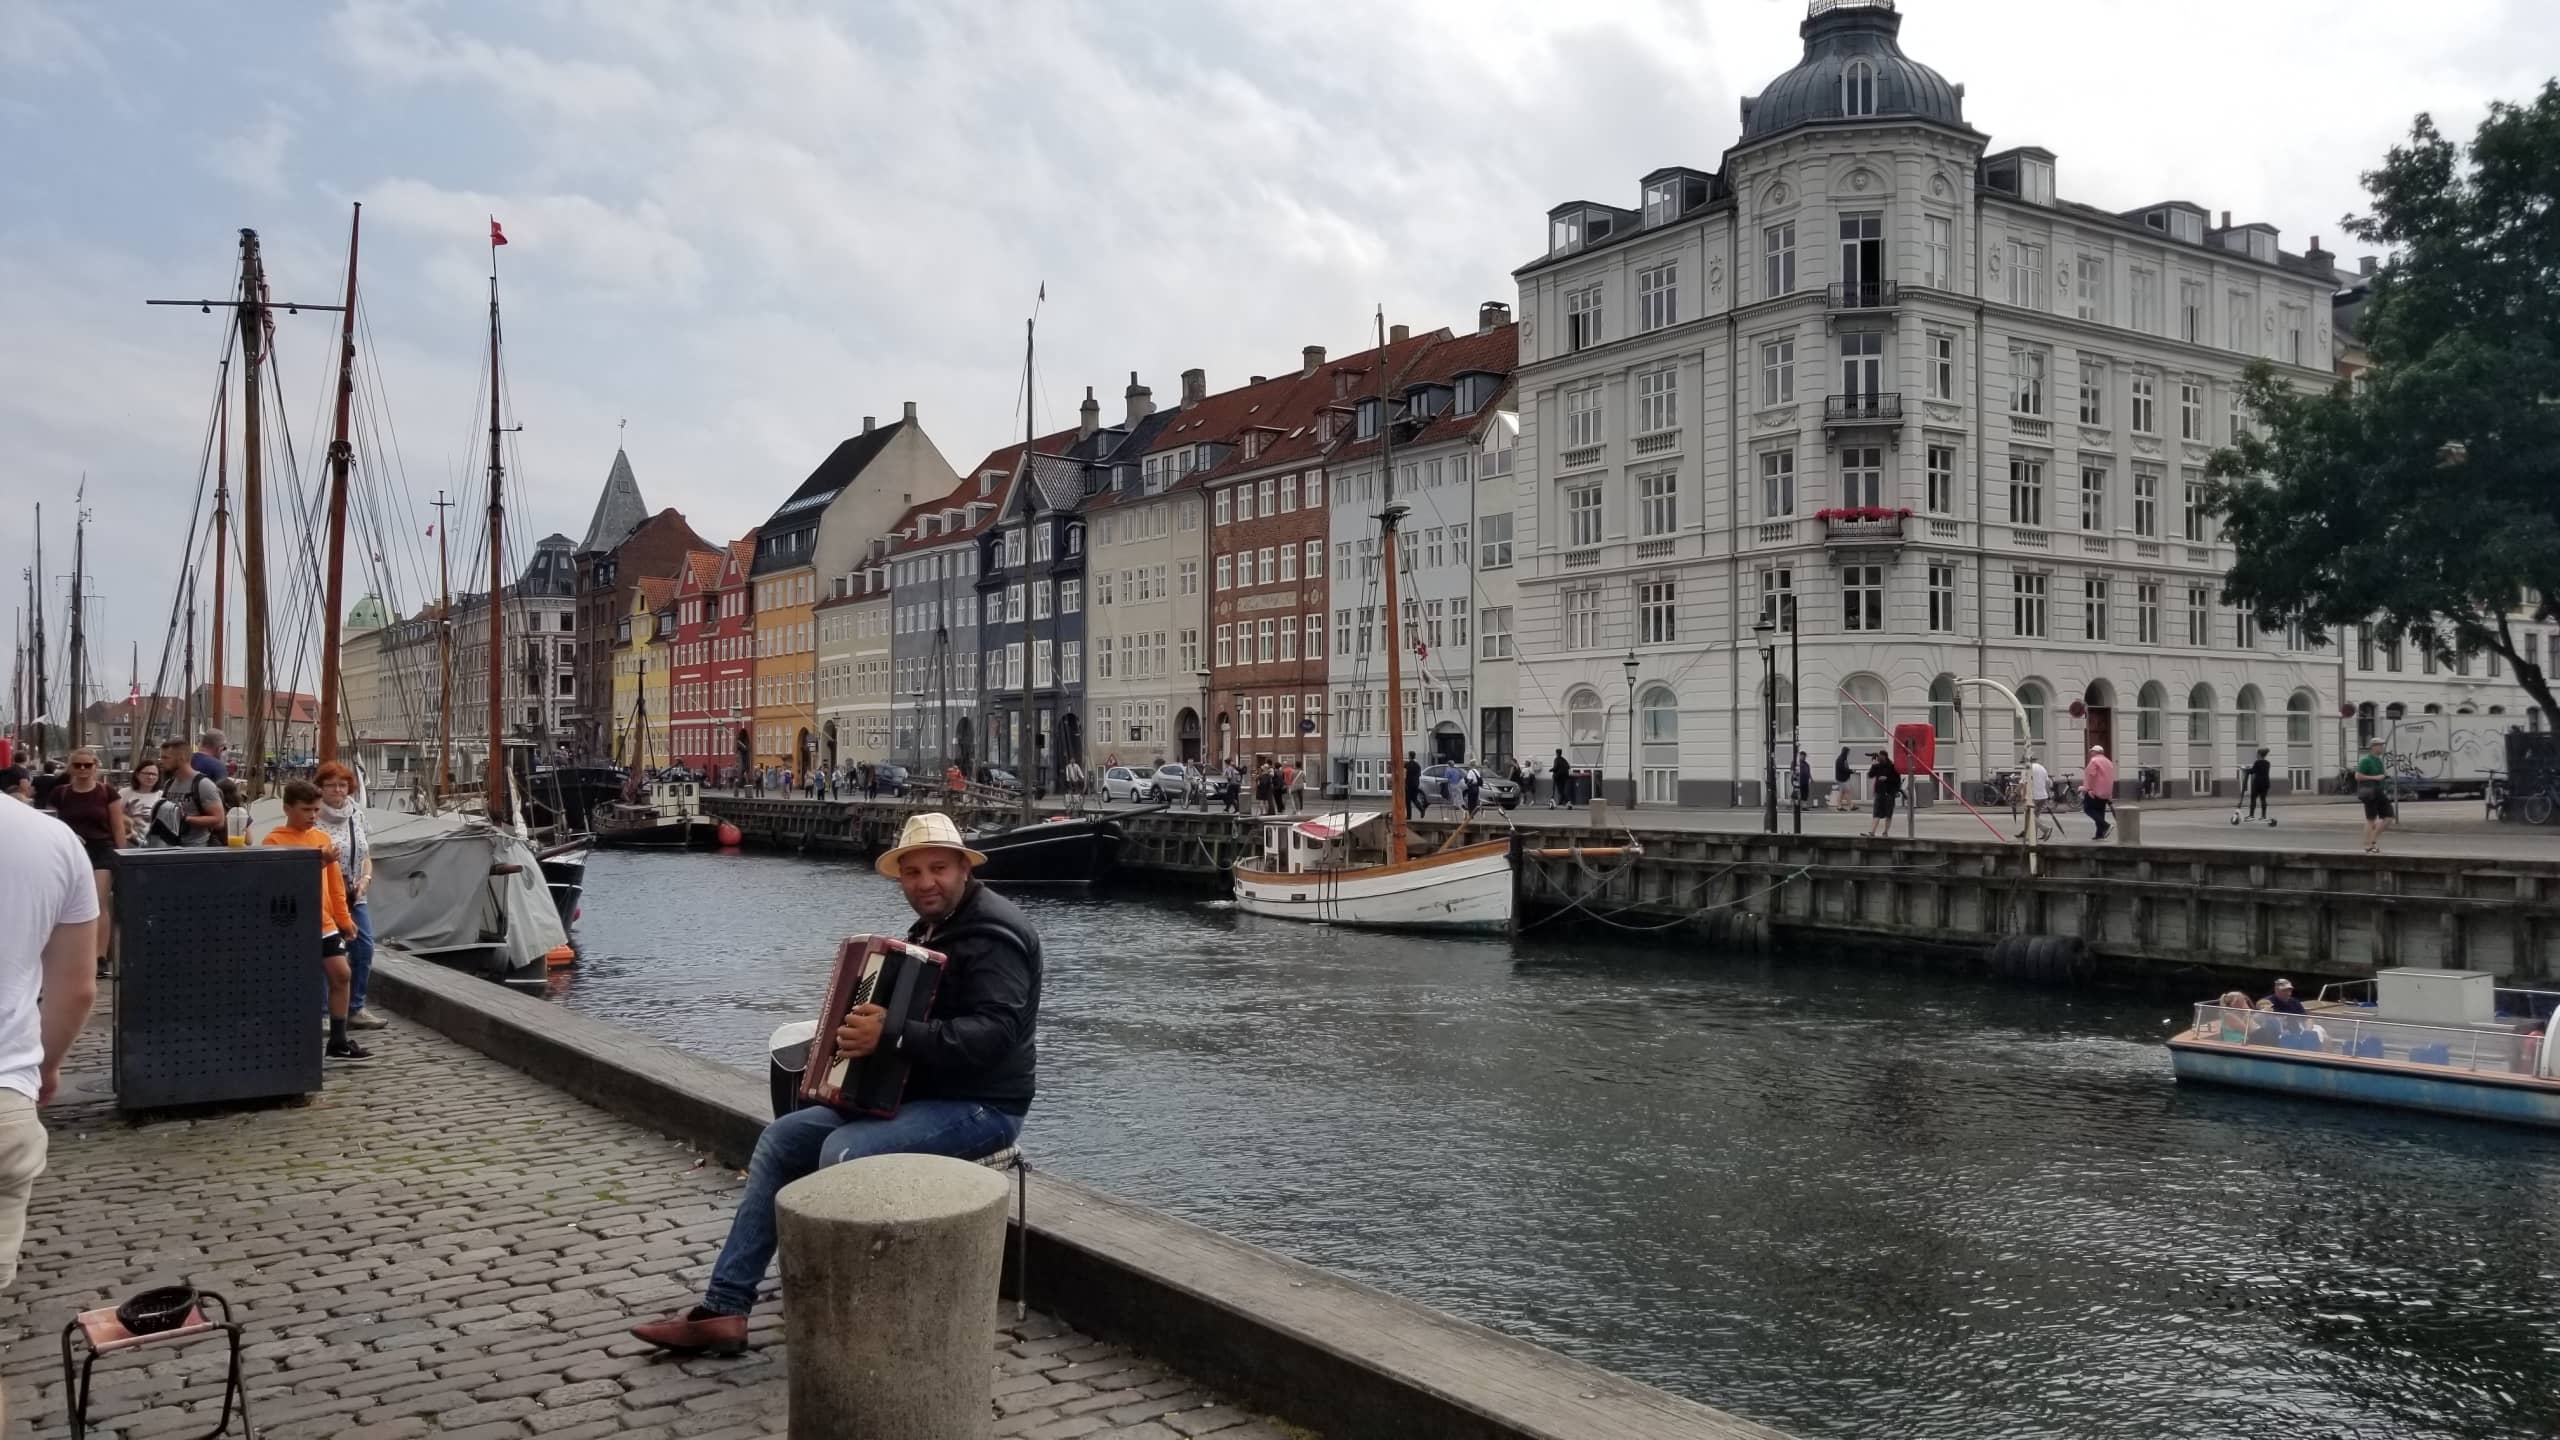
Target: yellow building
817, 537
643, 665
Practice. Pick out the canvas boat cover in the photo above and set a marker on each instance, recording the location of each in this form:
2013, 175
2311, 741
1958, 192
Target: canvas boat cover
433, 890
1335, 825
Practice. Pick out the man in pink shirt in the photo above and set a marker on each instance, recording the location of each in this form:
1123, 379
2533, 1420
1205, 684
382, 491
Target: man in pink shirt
2098, 788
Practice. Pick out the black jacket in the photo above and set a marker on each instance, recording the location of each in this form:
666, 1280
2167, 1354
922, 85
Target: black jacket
978, 1045
2258, 776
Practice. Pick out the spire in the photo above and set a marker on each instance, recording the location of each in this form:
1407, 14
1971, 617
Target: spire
619, 510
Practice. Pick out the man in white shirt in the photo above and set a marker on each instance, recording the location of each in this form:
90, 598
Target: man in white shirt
2039, 790
48, 981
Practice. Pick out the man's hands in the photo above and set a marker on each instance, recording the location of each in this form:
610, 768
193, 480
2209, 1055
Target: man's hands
859, 1035
51, 1082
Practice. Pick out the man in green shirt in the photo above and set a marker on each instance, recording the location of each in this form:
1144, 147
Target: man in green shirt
2372, 779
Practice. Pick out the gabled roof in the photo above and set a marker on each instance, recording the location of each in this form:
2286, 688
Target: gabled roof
1005, 458
740, 554
700, 571
841, 467
619, 510
1053, 483
1299, 442
1487, 352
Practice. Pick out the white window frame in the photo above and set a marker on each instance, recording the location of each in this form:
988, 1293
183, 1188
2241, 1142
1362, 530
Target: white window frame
1658, 296
1778, 259
1658, 503
1777, 484
1778, 370
1583, 508
1658, 399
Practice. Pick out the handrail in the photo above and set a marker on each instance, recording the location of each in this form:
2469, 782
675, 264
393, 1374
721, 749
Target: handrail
2343, 1035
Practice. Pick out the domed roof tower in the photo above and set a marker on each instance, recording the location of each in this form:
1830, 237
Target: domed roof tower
368, 614
1853, 69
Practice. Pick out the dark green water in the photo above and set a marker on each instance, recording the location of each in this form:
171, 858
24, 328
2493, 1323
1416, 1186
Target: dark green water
1844, 1199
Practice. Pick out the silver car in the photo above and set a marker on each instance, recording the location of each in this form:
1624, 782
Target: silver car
1496, 790
1122, 783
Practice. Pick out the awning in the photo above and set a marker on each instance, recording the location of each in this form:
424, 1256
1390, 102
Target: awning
1335, 825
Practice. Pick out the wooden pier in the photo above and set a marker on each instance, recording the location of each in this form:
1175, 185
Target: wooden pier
2123, 911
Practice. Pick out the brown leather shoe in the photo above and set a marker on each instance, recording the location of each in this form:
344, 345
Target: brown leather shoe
696, 1332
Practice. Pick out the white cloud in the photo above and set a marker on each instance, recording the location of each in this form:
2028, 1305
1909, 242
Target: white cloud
631, 253
388, 39
36, 35
253, 159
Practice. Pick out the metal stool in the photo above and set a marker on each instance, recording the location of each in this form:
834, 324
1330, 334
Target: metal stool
102, 1334
1011, 1158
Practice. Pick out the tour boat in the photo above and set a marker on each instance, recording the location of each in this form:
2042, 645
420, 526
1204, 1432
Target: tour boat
1335, 869
2448, 1041
1357, 868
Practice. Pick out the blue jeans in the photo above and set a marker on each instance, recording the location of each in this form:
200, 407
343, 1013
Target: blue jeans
816, 1135
360, 954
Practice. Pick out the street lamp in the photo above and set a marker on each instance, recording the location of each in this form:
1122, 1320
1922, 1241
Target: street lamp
1633, 771
1766, 633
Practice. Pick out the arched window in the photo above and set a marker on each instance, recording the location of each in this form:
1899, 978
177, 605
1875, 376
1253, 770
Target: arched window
2434, 709
1583, 721
1944, 717
1865, 721
2034, 699
1658, 722
2497, 709
2297, 718
2200, 715
2244, 718
1858, 89
2149, 702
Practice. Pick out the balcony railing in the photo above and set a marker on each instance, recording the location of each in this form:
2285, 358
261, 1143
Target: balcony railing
1863, 295
1580, 457
1861, 525
1865, 409
1660, 442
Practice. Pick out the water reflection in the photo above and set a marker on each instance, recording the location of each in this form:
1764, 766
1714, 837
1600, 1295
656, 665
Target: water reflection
1842, 1199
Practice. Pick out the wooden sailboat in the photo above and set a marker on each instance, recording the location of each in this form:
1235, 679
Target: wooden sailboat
1357, 867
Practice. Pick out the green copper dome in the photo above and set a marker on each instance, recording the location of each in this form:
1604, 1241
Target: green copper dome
369, 614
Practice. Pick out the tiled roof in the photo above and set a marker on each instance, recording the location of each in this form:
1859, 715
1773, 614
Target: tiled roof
1492, 352
1299, 442
1058, 481
657, 590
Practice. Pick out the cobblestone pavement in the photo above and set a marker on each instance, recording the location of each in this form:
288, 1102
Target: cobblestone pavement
438, 1245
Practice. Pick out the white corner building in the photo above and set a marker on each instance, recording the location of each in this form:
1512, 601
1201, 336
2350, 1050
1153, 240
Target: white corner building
1878, 382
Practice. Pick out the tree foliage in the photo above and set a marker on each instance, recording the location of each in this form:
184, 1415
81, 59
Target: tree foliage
2425, 498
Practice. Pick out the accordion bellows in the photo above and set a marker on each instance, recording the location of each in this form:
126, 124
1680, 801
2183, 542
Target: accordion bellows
870, 970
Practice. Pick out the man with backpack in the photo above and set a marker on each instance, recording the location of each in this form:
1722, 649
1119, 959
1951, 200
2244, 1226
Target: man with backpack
190, 810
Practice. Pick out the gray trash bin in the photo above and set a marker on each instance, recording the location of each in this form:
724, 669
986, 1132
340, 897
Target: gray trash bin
218, 990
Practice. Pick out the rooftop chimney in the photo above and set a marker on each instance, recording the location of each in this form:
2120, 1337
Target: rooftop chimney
870, 423
1142, 401
911, 412
1492, 315
2226, 219
2367, 264
1398, 334
1255, 379
1088, 415
1195, 387
1313, 356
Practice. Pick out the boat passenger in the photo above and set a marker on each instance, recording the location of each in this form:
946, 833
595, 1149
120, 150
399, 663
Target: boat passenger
2282, 1001
971, 1084
2232, 1028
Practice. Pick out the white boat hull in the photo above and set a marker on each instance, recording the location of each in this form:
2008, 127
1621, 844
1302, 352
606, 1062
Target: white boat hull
1469, 890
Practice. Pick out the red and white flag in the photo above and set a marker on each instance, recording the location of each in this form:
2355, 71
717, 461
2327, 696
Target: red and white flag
496, 235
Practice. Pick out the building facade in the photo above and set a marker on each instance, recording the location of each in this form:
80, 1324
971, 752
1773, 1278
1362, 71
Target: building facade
1145, 601
643, 644
1030, 646
1878, 393
934, 608
693, 741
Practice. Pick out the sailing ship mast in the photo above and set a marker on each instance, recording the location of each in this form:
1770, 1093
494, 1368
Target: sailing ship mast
35, 637
253, 513
1030, 676
1388, 517
221, 549
341, 458
495, 796
79, 639
444, 656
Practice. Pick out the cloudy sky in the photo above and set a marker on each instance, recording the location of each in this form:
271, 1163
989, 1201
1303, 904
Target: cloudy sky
741, 227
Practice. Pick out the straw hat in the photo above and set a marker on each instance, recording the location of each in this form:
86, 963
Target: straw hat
931, 830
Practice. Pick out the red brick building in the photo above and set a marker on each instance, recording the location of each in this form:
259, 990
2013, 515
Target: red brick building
713, 702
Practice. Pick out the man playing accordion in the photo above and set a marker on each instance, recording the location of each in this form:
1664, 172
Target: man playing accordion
969, 1078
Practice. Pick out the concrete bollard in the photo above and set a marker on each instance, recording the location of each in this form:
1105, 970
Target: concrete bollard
2128, 820
889, 1274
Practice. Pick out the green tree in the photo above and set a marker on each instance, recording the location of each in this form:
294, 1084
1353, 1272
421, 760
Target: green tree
2424, 499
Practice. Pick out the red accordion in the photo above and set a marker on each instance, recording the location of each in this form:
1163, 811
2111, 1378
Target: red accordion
870, 970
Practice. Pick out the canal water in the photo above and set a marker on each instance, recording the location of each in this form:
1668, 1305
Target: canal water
1845, 1198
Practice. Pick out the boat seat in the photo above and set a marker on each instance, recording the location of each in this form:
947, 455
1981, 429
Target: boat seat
2301, 1040
2369, 1048
2438, 1054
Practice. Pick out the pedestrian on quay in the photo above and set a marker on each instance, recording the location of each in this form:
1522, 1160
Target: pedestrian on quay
48, 943
2373, 778
1800, 775
1475, 788
209, 755
2097, 789
140, 799
302, 827
1562, 772
2260, 779
1453, 787
1886, 780
342, 817
192, 800
1413, 804
95, 813
1844, 796
1235, 785
971, 1083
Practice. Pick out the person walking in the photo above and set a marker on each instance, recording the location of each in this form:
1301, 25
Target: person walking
1886, 780
1801, 775
2097, 789
337, 927
139, 801
1413, 804
2373, 782
972, 1080
95, 813
1842, 796
342, 817
2039, 792
1561, 774
1475, 789
197, 818
2260, 778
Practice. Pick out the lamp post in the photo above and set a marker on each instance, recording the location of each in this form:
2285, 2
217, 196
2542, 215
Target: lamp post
1633, 770
1766, 633
1795, 703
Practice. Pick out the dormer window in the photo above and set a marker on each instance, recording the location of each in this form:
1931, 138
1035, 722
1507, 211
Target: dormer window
2035, 180
1858, 89
987, 481
1564, 233
1365, 418
1661, 202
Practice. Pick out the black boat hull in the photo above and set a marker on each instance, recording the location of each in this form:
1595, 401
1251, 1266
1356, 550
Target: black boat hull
1055, 852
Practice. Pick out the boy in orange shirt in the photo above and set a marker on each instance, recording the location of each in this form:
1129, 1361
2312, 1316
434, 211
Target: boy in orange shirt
302, 827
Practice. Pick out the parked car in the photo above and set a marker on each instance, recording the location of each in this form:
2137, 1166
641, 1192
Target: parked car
1122, 783
893, 778
1496, 790
996, 777
1181, 782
